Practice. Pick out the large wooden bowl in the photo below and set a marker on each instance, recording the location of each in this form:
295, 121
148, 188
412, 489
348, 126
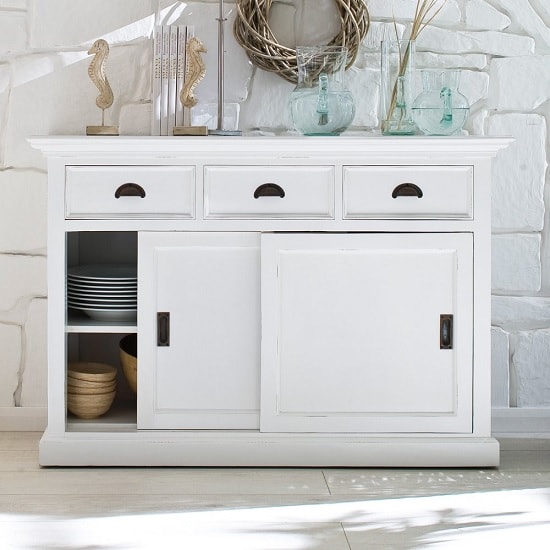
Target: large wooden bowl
128, 360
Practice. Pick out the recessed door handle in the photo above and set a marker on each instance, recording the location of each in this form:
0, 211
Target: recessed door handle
445, 331
407, 190
269, 190
130, 190
163, 328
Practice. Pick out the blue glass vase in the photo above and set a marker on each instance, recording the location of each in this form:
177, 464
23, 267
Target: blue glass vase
320, 105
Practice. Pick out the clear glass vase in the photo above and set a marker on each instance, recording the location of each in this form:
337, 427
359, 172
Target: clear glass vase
440, 110
396, 87
320, 104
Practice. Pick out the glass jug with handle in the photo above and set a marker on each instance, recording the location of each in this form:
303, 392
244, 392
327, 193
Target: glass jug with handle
320, 104
440, 110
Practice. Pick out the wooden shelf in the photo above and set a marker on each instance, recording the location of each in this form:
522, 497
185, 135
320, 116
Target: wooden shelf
121, 416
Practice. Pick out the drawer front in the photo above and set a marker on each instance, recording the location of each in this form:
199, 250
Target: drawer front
269, 192
129, 192
420, 192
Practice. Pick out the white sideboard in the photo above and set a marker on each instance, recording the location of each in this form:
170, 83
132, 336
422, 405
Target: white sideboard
301, 301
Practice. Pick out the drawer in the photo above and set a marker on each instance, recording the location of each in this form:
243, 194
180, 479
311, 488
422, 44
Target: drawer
129, 192
421, 192
269, 191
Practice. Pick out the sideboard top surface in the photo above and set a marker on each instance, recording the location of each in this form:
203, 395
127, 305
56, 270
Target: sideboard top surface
281, 146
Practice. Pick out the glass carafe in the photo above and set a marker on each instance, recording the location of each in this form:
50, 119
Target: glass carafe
320, 104
440, 110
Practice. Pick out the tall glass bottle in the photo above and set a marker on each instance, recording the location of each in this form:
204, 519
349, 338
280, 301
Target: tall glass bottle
396, 87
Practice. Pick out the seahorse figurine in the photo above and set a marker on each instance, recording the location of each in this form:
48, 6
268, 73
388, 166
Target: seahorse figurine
194, 71
96, 71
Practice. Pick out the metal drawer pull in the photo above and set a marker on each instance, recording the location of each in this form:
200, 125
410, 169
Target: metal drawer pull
269, 190
407, 190
130, 190
163, 328
445, 331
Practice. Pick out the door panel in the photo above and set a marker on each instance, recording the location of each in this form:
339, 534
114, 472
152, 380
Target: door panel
352, 328
208, 375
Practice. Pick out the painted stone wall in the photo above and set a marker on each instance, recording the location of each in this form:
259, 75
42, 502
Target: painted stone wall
502, 47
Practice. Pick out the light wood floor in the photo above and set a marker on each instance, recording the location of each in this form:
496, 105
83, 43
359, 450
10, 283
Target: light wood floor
273, 509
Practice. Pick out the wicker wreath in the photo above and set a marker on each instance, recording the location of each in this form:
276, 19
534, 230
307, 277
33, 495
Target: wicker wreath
253, 33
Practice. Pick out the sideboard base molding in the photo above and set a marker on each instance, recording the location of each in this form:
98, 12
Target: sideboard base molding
265, 450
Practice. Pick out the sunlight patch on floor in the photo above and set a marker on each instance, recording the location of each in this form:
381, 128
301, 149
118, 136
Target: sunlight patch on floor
498, 519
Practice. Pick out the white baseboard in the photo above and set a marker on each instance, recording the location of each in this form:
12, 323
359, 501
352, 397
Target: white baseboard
512, 422
521, 422
23, 419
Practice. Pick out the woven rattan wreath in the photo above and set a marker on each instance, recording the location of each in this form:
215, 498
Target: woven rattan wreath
253, 33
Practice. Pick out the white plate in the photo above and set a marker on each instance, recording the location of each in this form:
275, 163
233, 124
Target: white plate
102, 287
102, 283
110, 315
94, 297
107, 297
103, 272
107, 303
114, 283
113, 301
101, 305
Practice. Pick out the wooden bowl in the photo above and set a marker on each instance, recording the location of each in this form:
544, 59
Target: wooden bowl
128, 360
90, 406
78, 390
97, 386
93, 372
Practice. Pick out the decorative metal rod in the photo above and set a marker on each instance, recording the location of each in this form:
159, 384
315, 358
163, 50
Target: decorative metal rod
220, 131
221, 65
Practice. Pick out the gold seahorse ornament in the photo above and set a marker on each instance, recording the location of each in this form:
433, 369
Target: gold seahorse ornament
96, 72
194, 71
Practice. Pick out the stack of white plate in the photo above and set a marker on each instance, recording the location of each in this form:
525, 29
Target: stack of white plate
104, 292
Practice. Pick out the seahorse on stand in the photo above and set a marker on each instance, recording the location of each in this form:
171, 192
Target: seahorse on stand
194, 71
96, 72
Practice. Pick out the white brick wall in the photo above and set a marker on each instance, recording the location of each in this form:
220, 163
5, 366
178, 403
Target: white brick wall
531, 368
520, 173
503, 47
516, 265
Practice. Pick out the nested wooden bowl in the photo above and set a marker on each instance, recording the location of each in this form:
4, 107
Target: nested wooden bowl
99, 387
90, 406
91, 388
92, 372
99, 390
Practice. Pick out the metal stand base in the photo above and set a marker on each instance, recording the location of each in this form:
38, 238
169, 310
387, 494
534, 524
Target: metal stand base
102, 130
224, 132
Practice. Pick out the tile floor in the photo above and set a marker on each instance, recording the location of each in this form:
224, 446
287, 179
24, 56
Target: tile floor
273, 509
